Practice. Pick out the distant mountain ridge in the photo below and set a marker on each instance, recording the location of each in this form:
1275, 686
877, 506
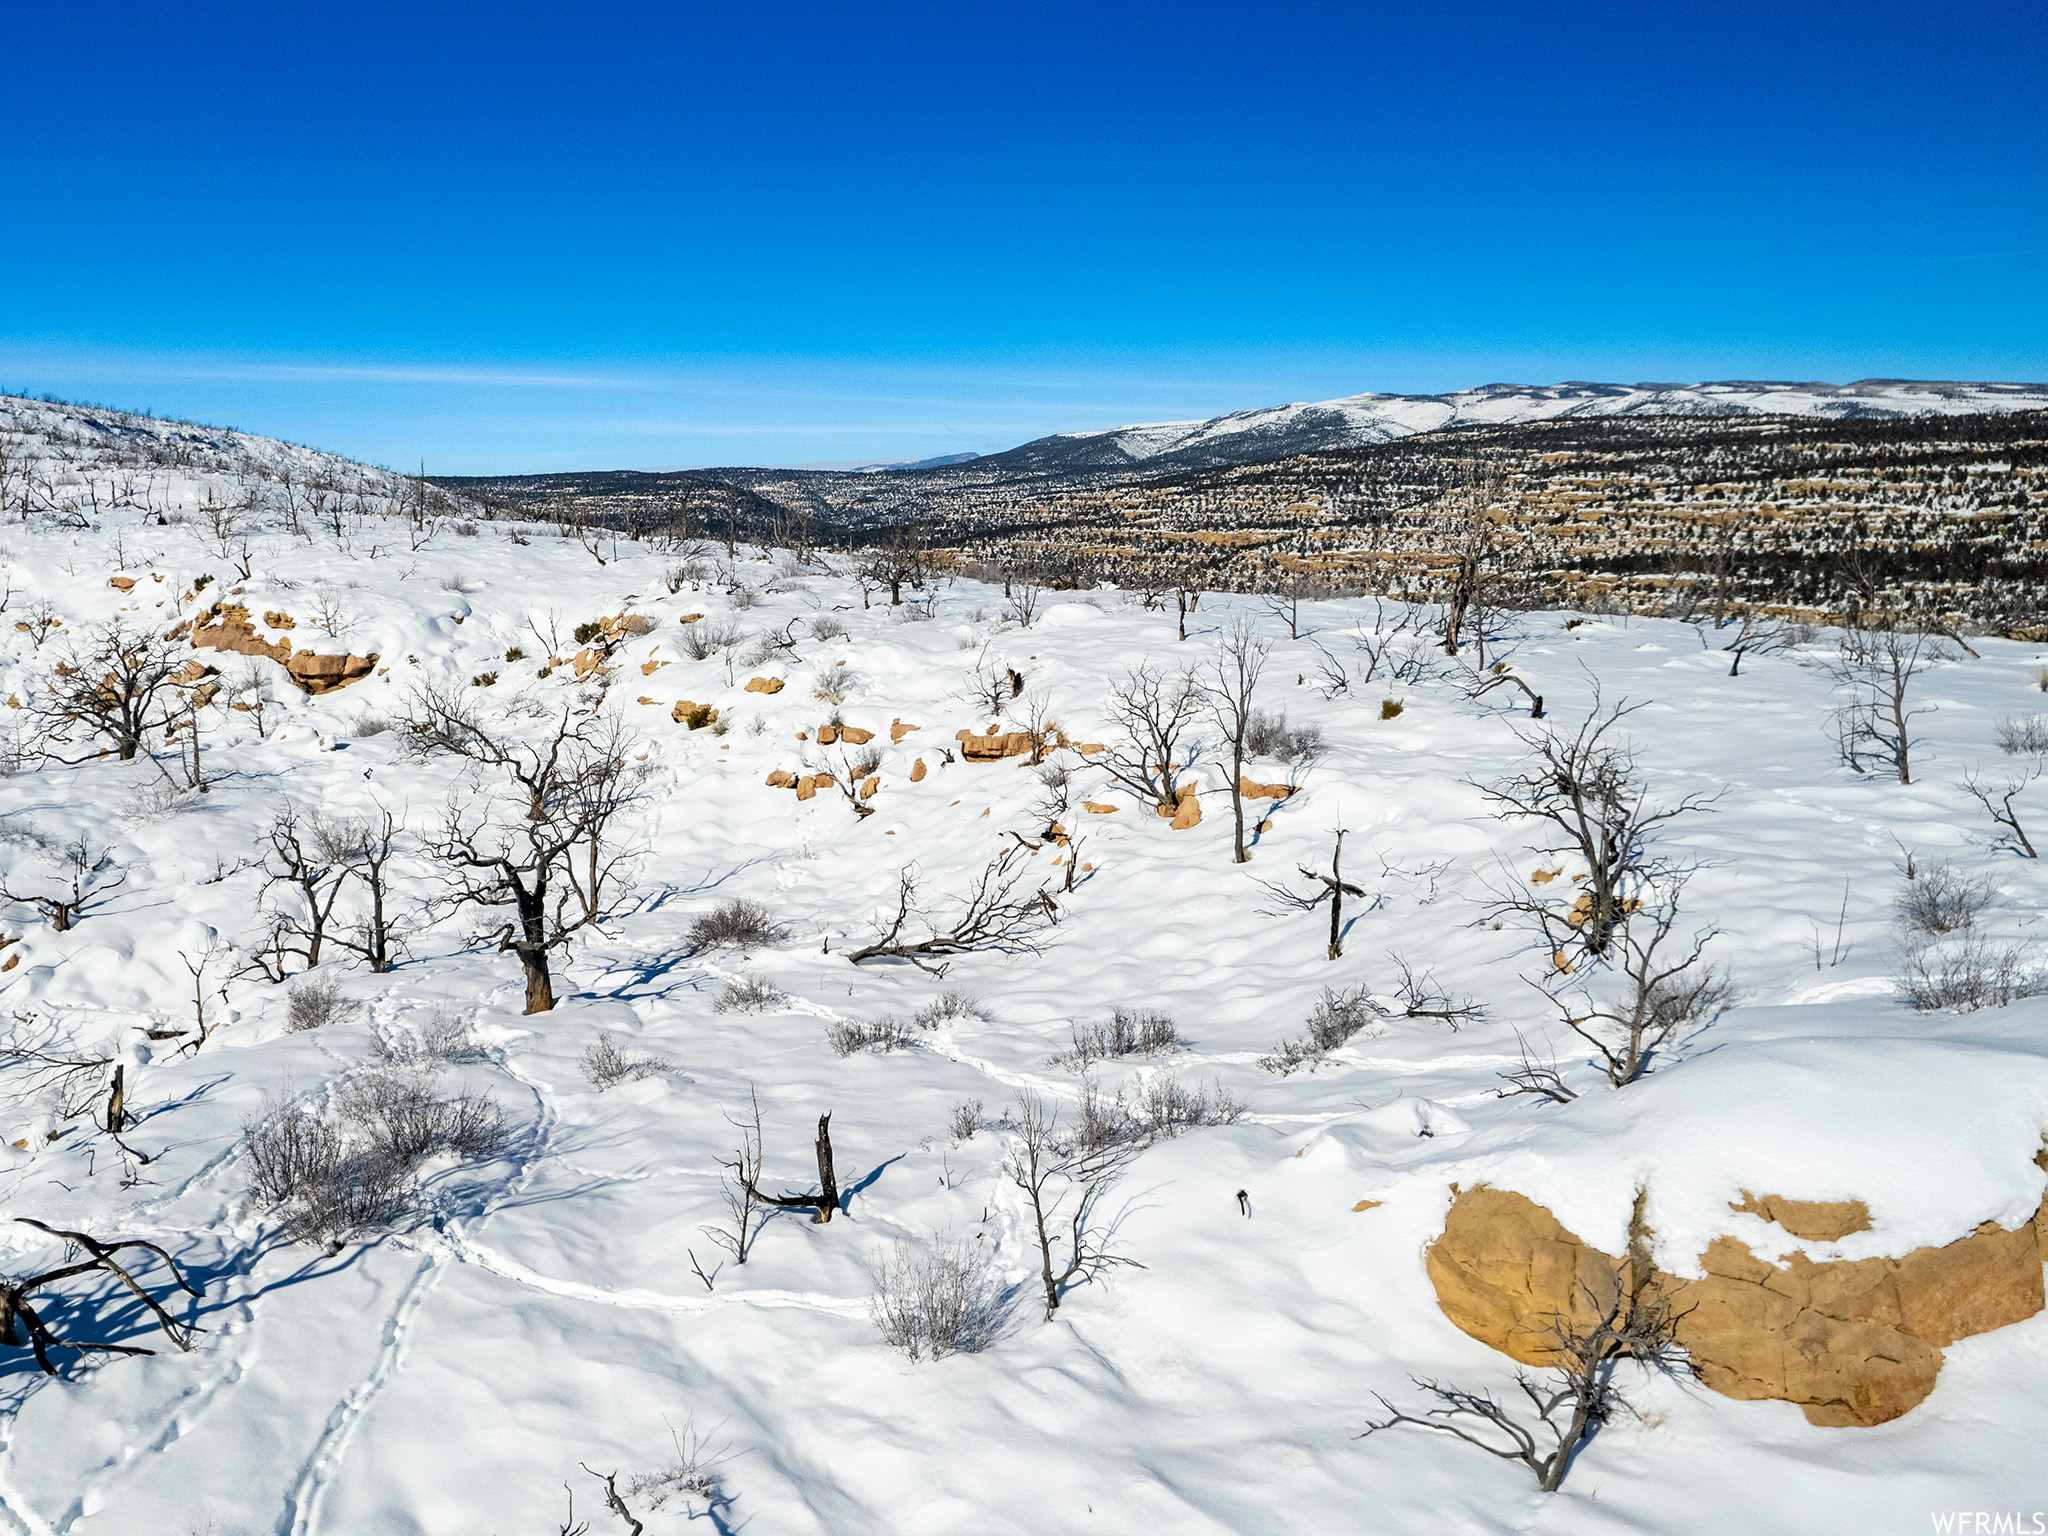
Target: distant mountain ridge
1247, 437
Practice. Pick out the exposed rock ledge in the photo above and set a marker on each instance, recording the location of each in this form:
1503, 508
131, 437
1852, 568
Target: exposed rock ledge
1852, 1341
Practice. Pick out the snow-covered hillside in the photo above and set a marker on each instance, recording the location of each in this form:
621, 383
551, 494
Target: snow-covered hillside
514, 1311
1245, 437
79, 462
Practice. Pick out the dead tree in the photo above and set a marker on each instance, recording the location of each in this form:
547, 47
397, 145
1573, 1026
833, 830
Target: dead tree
18, 1316
1062, 1176
1334, 889
1237, 667
365, 847
307, 860
1581, 1394
903, 559
1754, 637
117, 689
535, 806
1663, 989
826, 1200
1997, 802
1585, 791
63, 911
742, 1176
1469, 540
1502, 676
993, 915
1874, 671
1155, 710
1185, 601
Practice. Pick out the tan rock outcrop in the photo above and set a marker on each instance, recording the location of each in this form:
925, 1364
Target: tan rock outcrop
1818, 1221
897, 731
762, 684
277, 620
1251, 789
324, 674
1190, 812
869, 785
125, 583
226, 627
695, 716
1095, 808
917, 771
854, 736
1851, 1341
993, 749
781, 778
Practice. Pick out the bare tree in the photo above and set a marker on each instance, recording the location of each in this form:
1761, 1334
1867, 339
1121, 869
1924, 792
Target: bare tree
1285, 601
1663, 989
1588, 795
902, 559
741, 1178
306, 860
992, 915
117, 688
1155, 709
1334, 888
1063, 1176
1754, 636
1237, 667
511, 846
364, 847
1997, 801
1579, 1397
63, 911
18, 1314
1874, 673
1469, 540
826, 1200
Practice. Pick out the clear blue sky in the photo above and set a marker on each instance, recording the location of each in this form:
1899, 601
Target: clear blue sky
509, 236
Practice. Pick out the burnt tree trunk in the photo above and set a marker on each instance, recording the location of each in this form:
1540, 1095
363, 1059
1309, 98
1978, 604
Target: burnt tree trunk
828, 1180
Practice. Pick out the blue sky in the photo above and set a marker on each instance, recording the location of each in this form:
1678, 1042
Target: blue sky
515, 237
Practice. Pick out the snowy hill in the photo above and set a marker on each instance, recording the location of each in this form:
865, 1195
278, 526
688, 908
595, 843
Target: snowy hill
449, 1252
1246, 437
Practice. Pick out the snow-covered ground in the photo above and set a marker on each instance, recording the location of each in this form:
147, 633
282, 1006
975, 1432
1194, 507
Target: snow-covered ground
1355, 420
540, 1311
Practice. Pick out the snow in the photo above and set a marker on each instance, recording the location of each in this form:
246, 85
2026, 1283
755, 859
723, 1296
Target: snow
1375, 418
541, 1310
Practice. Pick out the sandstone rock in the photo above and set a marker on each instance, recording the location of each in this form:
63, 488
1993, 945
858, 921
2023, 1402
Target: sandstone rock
125, 583
1190, 812
781, 778
12, 962
806, 787
917, 771
649, 668
870, 785
898, 730
827, 734
1265, 826
280, 621
853, 735
1817, 1221
695, 716
761, 684
226, 627
324, 674
1852, 1342
1368, 1205
1090, 748
1545, 876
993, 749
1251, 789
1095, 808
689, 618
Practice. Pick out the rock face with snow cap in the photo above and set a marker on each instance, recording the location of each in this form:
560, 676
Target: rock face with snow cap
1853, 1342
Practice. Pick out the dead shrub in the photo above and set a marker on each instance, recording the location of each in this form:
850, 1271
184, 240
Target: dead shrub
1966, 975
2023, 735
1941, 899
739, 924
707, 638
885, 1034
606, 1066
935, 1303
966, 1120
315, 1004
1127, 1032
1338, 1016
751, 994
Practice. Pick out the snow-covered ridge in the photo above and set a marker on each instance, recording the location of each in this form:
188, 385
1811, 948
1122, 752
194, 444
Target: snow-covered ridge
1357, 420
